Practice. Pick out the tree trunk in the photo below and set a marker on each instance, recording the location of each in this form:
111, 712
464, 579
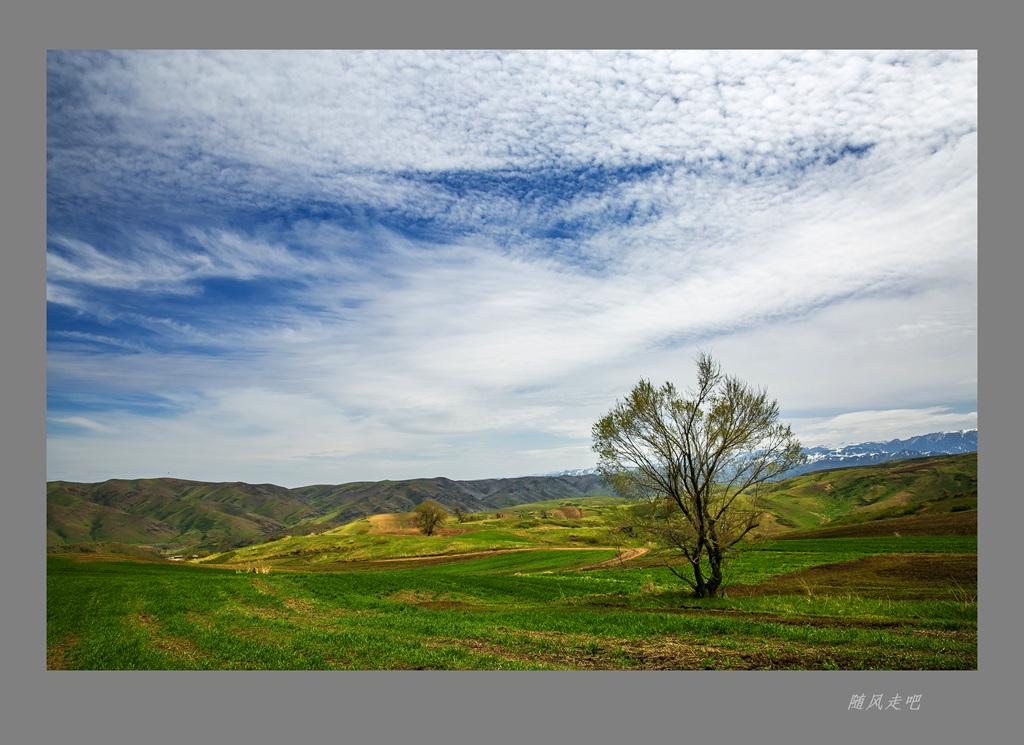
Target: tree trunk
700, 587
715, 580
708, 587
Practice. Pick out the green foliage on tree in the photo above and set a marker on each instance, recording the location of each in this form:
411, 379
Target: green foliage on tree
696, 461
430, 516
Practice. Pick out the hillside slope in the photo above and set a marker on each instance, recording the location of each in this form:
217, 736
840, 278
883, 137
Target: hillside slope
175, 511
854, 494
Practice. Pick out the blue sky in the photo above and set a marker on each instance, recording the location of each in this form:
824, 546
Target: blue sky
323, 267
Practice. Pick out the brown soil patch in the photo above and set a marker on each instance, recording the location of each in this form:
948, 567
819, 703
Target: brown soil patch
404, 523
450, 530
263, 587
673, 653
567, 513
439, 559
404, 596
897, 499
57, 655
578, 652
770, 526
453, 605
267, 614
196, 618
951, 523
145, 621
430, 602
890, 576
298, 605
383, 524
830, 622
444, 531
921, 466
174, 645
453, 558
86, 557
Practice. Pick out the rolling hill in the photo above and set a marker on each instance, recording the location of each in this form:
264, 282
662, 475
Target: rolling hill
175, 513
845, 496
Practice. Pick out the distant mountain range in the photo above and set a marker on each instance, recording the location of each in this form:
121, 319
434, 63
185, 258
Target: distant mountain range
217, 516
865, 453
570, 472
868, 453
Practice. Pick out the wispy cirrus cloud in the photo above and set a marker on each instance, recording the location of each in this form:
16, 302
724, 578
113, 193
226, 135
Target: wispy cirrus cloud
456, 252
85, 423
864, 426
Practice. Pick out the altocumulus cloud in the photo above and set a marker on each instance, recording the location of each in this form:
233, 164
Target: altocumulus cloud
308, 267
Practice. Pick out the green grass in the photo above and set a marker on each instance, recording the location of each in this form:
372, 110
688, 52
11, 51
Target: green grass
353, 543
511, 611
515, 593
490, 537
959, 502
819, 498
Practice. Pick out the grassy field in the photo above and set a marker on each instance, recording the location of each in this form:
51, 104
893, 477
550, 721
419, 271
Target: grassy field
517, 596
861, 568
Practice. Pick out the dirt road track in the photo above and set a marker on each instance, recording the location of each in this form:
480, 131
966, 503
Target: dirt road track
625, 554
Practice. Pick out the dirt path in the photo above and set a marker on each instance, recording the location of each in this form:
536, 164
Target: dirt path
625, 554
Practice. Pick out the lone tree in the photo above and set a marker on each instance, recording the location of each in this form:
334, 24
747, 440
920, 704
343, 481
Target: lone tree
696, 463
430, 515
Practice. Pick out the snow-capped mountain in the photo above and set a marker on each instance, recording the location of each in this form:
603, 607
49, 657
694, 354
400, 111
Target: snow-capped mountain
862, 453
570, 472
866, 453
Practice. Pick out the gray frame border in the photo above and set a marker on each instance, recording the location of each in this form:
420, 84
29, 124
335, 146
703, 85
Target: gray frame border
157, 707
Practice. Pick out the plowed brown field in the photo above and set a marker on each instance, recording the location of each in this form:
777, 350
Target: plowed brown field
952, 523
896, 576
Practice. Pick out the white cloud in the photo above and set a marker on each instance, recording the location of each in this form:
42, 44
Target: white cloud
871, 426
844, 286
318, 119
85, 423
152, 264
